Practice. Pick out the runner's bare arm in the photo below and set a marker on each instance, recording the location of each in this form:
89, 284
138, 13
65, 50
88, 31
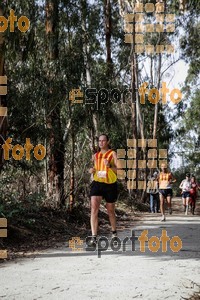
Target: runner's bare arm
181, 185
172, 180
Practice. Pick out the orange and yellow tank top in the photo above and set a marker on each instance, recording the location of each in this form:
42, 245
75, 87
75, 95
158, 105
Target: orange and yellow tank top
103, 173
164, 180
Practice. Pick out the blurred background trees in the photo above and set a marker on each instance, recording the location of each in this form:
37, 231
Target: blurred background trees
80, 44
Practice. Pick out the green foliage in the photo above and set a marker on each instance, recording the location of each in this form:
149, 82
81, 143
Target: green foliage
38, 86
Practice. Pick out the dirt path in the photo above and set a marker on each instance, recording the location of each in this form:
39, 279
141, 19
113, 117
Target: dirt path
66, 274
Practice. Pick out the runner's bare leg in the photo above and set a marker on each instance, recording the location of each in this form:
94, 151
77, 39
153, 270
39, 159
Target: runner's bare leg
187, 200
111, 212
169, 201
95, 204
162, 204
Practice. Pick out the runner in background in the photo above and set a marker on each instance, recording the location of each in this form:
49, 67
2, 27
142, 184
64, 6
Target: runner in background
165, 190
193, 193
186, 186
152, 190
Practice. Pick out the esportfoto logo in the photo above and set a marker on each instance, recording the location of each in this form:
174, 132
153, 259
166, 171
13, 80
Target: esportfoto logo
153, 244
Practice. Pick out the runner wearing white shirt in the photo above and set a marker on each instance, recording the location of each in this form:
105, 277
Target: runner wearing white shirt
186, 186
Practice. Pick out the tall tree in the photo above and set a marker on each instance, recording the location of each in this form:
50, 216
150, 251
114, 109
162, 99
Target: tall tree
56, 145
108, 31
3, 101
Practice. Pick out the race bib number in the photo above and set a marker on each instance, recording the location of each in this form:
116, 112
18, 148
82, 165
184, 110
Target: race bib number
101, 174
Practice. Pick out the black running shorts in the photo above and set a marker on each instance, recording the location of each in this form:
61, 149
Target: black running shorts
107, 191
166, 192
186, 195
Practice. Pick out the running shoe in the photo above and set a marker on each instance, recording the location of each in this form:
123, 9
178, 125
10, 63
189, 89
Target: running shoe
170, 210
91, 243
114, 238
114, 235
163, 218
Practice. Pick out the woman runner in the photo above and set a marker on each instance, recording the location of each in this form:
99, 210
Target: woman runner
104, 185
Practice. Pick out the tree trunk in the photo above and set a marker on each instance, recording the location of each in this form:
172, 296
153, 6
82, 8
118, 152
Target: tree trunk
158, 73
124, 7
134, 101
87, 75
3, 99
156, 106
55, 151
108, 29
71, 195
